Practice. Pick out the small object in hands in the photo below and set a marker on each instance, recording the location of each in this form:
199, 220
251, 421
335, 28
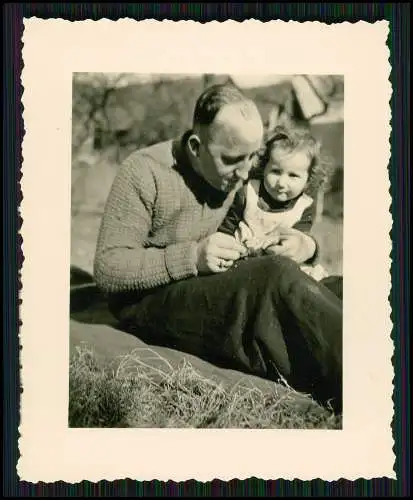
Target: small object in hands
253, 247
256, 246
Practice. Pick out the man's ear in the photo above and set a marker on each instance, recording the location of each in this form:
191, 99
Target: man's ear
194, 143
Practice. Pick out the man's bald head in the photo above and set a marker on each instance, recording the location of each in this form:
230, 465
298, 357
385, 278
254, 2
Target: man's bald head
223, 113
213, 99
226, 135
235, 124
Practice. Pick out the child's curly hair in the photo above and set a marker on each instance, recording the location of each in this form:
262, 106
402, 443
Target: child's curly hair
296, 139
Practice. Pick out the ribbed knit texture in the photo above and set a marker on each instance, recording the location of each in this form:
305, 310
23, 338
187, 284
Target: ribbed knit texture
156, 212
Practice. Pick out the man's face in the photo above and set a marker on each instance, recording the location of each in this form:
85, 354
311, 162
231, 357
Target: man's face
230, 145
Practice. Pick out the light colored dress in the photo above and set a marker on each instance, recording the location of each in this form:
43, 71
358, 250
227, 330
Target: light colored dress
259, 225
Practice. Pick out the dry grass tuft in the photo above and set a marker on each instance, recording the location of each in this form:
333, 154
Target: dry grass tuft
138, 394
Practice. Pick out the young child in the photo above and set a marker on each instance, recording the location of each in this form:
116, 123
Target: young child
277, 198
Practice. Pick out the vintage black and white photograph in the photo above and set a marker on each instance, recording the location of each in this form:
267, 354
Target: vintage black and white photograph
206, 239
206, 251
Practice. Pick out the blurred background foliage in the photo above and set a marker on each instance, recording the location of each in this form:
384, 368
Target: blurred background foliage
115, 114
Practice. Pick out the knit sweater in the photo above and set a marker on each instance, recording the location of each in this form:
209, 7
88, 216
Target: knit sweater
156, 212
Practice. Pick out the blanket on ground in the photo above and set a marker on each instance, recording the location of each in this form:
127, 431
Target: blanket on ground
93, 326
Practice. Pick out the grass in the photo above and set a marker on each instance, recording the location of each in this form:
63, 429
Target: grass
134, 394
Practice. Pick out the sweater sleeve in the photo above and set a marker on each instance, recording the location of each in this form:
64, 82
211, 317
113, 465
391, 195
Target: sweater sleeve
123, 260
234, 215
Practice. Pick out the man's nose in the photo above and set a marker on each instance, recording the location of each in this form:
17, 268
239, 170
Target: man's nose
242, 173
243, 170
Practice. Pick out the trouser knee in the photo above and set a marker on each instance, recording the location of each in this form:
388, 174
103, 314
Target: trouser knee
281, 274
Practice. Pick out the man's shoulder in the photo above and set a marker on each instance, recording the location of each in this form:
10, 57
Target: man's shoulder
160, 153
150, 162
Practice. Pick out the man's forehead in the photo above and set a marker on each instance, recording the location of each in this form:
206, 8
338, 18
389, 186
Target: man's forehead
237, 124
232, 113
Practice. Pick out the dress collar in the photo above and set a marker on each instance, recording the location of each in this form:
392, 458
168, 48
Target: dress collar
267, 203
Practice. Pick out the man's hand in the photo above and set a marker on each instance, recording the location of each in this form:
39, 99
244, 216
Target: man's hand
294, 244
217, 253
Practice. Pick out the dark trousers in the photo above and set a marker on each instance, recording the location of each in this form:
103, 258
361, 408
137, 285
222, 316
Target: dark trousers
263, 316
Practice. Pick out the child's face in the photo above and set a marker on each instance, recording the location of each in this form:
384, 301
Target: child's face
286, 174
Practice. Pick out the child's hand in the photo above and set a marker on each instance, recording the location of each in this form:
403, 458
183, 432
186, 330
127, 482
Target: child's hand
294, 244
253, 245
272, 249
270, 243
